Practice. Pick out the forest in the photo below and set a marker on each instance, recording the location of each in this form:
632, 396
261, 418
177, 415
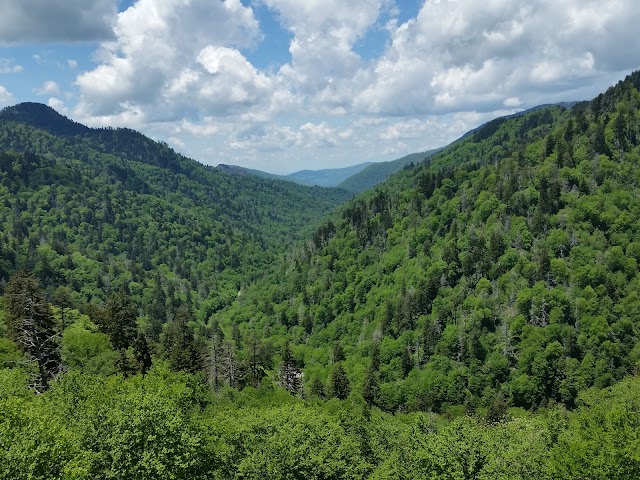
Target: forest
475, 316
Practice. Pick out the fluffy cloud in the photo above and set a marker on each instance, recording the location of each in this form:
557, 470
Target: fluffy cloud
5, 97
9, 66
468, 55
179, 69
175, 58
324, 68
60, 21
48, 88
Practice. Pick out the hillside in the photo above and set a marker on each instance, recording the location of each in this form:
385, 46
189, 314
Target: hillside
475, 316
236, 170
98, 209
329, 177
504, 269
377, 173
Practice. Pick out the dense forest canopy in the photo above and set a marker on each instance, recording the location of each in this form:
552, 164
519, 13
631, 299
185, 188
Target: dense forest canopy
475, 316
503, 268
98, 209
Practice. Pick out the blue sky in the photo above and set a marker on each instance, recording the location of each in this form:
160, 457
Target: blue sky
285, 85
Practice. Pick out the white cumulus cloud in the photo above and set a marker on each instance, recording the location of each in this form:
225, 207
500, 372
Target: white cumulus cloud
161, 63
468, 55
48, 88
6, 98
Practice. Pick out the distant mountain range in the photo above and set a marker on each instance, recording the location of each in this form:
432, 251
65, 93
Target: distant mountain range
354, 179
330, 177
363, 176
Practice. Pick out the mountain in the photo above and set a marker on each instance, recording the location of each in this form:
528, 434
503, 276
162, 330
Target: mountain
503, 269
476, 315
379, 172
43, 117
236, 170
376, 173
330, 177
99, 209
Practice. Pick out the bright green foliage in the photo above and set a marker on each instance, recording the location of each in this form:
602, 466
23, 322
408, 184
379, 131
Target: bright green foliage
95, 210
88, 351
168, 426
504, 268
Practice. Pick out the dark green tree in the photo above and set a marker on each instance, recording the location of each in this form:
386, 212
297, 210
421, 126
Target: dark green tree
290, 377
339, 386
405, 362
118, 320
179, 345
371, 386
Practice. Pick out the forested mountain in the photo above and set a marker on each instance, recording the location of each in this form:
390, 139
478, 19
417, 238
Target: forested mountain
99, 209
475, 316
502, 269
236, 170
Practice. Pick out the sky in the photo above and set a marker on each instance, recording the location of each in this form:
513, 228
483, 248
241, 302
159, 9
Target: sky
286, 85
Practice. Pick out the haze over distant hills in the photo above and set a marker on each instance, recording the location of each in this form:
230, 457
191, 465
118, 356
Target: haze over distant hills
330, 177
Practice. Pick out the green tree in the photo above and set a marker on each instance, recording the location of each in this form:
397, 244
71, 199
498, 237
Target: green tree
339, 385
290, 378
179, 345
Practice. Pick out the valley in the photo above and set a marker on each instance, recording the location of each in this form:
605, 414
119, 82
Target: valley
467, 312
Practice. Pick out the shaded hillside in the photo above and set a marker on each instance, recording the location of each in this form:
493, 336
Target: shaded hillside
236, 170
98, 209
330, 177
505, 269
378, 172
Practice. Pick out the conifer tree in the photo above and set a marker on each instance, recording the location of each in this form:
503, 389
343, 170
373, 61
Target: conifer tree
339, 386
179, 344
31, 325
290, 377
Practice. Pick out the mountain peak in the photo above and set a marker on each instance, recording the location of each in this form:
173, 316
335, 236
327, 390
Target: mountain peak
43, 117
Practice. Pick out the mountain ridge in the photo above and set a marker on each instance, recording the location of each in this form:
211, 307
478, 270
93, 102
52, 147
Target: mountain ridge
475, 276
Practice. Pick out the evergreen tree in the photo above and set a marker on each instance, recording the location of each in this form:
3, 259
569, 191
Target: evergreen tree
337, 353
157, 310
31, 325
339, 386
406, 362
215, 360
179, 345
118, 320
317, 388
370, 386
257, 360
142, 353
290, 377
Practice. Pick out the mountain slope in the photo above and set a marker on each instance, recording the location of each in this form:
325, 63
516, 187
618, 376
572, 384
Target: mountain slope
101, 208
330, 177
236, 170
502, 270
377, 173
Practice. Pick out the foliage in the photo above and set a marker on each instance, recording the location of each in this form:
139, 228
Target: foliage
500, 273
